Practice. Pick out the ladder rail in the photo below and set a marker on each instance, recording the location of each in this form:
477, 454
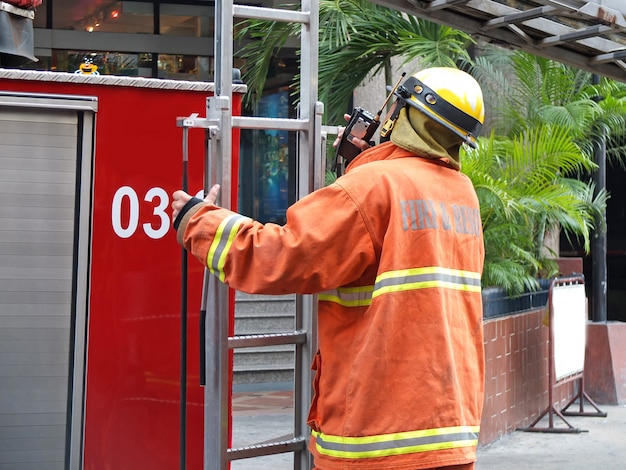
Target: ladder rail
308, 179
217, 364
219, 125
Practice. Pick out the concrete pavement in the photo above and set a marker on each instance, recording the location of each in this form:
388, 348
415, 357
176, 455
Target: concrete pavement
268, 415
601, 447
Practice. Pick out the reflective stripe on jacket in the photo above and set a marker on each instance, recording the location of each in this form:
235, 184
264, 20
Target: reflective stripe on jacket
394, 248
397, 443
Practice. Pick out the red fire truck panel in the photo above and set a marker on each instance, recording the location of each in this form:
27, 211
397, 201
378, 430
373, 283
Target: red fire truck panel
131, 403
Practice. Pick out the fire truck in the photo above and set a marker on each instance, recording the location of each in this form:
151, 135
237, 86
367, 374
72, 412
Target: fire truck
90, 271
103, 357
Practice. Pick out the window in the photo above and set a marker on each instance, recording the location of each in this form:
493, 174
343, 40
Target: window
185, 67
186, 20
102, 63
104, 16
267, 163
40, 15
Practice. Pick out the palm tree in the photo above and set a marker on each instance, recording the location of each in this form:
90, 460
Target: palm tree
523, 189
359, 38
524, 91
532, 173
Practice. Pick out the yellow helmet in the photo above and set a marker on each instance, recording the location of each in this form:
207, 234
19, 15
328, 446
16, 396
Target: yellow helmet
449, 96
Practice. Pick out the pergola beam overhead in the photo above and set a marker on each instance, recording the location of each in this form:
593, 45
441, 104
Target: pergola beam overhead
590, 35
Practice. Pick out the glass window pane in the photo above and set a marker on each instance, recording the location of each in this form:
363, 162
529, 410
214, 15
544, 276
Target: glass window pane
267, 164
40, 16
185, 67
186, 20
104, 16
44, 61
102, 63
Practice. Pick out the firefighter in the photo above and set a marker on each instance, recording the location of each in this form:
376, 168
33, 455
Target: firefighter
394, 249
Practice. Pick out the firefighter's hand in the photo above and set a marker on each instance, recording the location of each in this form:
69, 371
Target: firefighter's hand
212, 196
180, 198
360, 143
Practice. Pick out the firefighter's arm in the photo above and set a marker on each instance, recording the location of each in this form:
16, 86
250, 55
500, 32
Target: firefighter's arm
323, 245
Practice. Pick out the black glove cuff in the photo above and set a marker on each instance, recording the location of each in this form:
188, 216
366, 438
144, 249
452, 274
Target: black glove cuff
192, 202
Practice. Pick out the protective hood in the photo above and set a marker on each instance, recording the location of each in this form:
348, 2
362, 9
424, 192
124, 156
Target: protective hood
416, 132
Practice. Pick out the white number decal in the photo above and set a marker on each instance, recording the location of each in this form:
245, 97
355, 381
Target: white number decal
116, 213
159, 211
127, 228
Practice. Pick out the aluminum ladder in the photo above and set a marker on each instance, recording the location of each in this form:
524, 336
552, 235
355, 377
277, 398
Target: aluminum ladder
310, 168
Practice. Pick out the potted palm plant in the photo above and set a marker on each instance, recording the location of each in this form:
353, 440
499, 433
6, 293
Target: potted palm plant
533, 172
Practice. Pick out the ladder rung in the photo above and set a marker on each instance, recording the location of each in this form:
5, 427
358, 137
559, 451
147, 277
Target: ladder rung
247, 122
267, 339
275, 14
333, 130
279, 447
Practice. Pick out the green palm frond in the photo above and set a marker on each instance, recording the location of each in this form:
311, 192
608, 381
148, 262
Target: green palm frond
523, 188
541, 154
509, 275
337, 18
512, 263
266, 38
433, 44
577, 116
358, 39
616, 149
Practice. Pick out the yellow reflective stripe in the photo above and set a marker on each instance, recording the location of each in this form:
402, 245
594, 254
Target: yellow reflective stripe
360, 296
397, 443
223, 240
423, 278
403, 280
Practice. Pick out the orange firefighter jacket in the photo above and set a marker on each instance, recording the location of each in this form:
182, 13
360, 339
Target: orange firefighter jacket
394, 248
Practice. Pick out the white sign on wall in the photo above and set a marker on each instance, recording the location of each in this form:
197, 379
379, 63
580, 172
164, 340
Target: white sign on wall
569, 323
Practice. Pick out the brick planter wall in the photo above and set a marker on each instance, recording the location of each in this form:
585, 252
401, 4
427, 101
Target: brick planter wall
516, 378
